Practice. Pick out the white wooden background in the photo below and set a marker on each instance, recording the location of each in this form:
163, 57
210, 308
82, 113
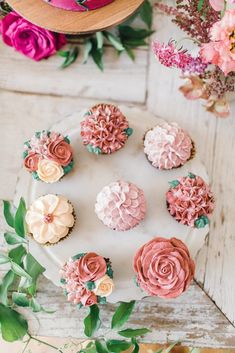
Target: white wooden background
35, 95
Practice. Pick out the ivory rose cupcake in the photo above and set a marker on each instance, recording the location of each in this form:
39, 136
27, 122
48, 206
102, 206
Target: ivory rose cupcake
50, 219
121, 205
87, 279
190, 201
164, 267
48, 156
105, 129
168, 146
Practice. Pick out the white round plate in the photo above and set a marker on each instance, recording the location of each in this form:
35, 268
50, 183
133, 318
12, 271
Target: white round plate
81, 186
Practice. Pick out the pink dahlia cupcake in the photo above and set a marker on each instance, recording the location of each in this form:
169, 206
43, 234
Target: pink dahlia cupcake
121, 205
164, 267
168, 146
87, 279
190, 201
105, 129
79, 5
48, 156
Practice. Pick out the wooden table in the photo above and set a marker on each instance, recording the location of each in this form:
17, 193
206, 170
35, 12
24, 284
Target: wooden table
34, 95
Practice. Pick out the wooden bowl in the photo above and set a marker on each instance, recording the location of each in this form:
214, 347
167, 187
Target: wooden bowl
74, 22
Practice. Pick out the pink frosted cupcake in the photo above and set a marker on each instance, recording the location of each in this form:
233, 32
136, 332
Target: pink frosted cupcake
121, 205
105, 129
190, 201
168, 146
87, 279
79, 5
164, 267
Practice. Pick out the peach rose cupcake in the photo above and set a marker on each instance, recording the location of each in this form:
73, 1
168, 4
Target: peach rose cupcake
48, 156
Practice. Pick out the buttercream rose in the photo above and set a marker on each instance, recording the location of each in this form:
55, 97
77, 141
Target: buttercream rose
49, 171
164, 267
60, 151
29, 39
104, 286
88, 298
31, 161
91, 267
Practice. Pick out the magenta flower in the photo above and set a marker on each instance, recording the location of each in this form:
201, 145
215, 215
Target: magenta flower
32, 41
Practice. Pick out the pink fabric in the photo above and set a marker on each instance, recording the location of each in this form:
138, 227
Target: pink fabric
74, 6
32, 41
164, 267
60, 151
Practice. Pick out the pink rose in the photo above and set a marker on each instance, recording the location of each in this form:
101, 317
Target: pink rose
88, 298
29, 39
164, 267
60, 151
91, 267
31, 161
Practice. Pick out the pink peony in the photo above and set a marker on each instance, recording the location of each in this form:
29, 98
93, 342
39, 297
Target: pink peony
31, 161
29, 39
59, 151
221, 50
91, 267
164, 267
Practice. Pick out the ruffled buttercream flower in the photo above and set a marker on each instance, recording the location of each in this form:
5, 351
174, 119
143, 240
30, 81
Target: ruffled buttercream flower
89, 298
31, 161
120, 205
105, 129
49, 218
104, 286
49, 171
59, 151
167, 146
190, 201
91, 267
164, 267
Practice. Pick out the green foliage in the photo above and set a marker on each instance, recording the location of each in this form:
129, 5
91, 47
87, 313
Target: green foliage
129, 332
173, 183
122, 314
201, 222
19, 223
7, 281
9, 217
118, 346
146, 13
13, 239
13, 325
92, 321
70, 56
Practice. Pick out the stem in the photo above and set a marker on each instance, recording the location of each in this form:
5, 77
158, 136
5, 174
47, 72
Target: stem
188, 38
45, 343
25, 347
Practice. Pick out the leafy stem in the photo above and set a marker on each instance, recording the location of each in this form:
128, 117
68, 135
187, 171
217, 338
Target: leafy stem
32, 338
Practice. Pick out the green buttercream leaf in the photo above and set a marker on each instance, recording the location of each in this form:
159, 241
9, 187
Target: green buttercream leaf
67, 139
79, 305
129, 131
35, 175
109, 271
38, 134
90, 285
191, 175
174, 183
201, 222
27, 143
102, 300
68, 167
78, 256
25, 154
62, 281
92, 149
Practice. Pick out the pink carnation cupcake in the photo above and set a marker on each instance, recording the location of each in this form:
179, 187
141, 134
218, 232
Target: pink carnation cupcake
48, 156
190, 201
79, 5
87, 279
168, 146
121, 205
105, 129
164, 267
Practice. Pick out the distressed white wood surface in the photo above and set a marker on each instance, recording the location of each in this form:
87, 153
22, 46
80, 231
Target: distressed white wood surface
33, 96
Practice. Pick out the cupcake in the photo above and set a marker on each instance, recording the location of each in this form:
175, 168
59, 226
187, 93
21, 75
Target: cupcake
164, 267
48, 156
120, 205
168, 146
87, 279
190, 201
105, 129
50, 219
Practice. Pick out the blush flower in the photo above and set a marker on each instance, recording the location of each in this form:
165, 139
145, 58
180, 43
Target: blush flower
31, 161
164, 267
59, 151
91, 267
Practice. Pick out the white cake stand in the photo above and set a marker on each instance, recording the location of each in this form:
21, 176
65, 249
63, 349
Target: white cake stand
81, 186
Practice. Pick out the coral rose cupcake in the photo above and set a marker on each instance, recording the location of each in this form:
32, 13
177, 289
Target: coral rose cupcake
121, 205
168, 146
190, 201
48, 156
87, 279
164, 267
50, 219
105, 129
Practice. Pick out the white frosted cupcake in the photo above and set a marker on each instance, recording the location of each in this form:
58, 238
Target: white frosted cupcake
121, 205
50, 219
168, 146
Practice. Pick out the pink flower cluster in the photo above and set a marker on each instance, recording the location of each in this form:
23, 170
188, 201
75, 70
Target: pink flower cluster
104, 128
76, 273
190, 201
164, 267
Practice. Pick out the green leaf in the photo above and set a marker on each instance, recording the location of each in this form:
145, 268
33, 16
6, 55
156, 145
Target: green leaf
63, 53
90, 285
12, 239
129, 131
100, 40
68, 167
36, 307
34, 269
9, 217
129, 33
122, 314
101, 347
200, 5
92, 321
136, 347
70, 58
20, 299
87, 50
191, 175
130, 52
17, 254
13, 325
114, 40
129, 332
4, 259
19, 271
117, 346
7, 281
97, 56
146, 13
20, 218
201, 222
173, 183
